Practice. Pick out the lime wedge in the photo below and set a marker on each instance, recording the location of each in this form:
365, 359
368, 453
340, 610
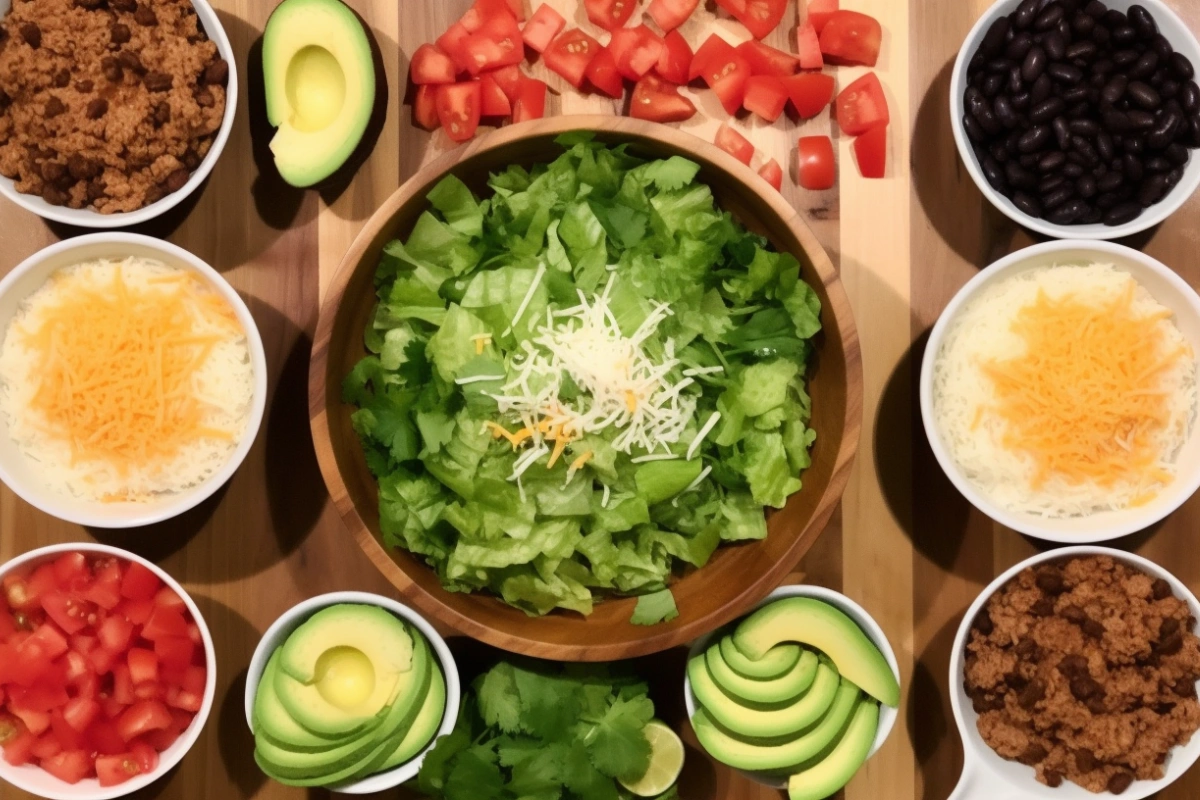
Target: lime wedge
666, 761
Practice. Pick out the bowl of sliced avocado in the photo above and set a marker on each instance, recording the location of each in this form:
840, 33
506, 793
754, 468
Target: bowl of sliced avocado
796, 695
348, 691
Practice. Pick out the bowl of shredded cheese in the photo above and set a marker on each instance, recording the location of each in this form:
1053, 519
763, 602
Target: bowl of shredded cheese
132, 380
1058, 391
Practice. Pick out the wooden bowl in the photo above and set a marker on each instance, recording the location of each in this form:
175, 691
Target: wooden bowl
738, 575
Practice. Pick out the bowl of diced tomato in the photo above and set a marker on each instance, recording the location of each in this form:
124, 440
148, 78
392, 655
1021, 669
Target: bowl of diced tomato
107, 672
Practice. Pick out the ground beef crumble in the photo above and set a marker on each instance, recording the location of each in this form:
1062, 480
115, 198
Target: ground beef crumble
1085, 670
107, 104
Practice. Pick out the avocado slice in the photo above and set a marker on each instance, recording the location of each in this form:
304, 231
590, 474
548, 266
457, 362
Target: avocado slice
821, 626
825, 777
272, 720
788, 686
774, 664
343, 667
424, 727
762, 721
771, 756
319, 82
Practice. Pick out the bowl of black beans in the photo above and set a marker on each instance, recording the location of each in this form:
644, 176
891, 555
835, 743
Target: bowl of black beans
1078, 118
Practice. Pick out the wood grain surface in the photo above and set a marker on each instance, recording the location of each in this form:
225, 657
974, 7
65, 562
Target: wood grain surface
905, 544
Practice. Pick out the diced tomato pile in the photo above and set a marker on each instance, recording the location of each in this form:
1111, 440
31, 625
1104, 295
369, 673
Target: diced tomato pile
101, 668
473, 71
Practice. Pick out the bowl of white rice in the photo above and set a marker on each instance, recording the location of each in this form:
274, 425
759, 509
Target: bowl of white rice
1058, 391
132, 380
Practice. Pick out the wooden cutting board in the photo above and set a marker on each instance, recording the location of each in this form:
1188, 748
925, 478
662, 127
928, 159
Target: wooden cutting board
906, 545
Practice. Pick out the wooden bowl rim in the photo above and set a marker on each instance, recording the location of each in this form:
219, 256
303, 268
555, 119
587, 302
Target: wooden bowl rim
657, 638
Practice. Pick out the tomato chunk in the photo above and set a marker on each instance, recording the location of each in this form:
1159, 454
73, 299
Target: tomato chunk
69, 766
670, 14
713, 54
658, 101
729, 83
102, 737
852, 38
493, 102
431, 65
816, 164
454, 44
543, 26
808, 46
862, 105
735, 144
676, 60
177, 651
759, 16
570, 54
819, 12
138, 611
508, 78
46, 746
871, 150
602, 74
636, 51
115, 770
772, 173
530, 102
80, 713
71, 570
810, 93
143, 664
139, 582
142, 717
609, 14
496, 44
766, 60
68, 613
458, 110
766, 96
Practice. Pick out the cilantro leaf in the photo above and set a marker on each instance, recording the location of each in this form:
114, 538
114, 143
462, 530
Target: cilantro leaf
549, 703
475, 776
499, 702
617, 744
584, 780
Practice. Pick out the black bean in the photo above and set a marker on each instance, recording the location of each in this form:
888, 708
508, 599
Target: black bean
1105, 146
1158, 164
1165, 130
1082, 146
1035, 139
976, 64
1133, 168
999, 152
995, 175
1080, 51
1124, 35
1019, 47
1073, 170
1005, 113
1103, 66
1170, 89
1158, 78
1123, 58
999, 65
992, 85
1025, 14
1122, 214
1077, 94
1011, 142
1028, 204
1020, 101
1052, 162
1181, 66
1100, 35
1084, 127
1173, 105
1192, 137
1047, 110
1034, 64
1095, 9
1069, 212
1051, 183
1114, 90
1065, 73
1141, 20
1135, 145
1162, 46
1110, 182
995, 38
1086, 187
1050, 17
1174, 177
1062, 131
1080, 110
1057, 196
981, 109
1055, 46
1042, 88
1141, 120
1145, 66
1015, 82
1019, 177
1114, 19
1152, 190
1117, 122
1178, 154
1107, 200
1082, 24
1028, 160
1064, 29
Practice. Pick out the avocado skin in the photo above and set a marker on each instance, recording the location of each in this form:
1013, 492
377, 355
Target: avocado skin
825, 777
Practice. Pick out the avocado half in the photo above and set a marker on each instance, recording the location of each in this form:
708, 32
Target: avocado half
319, 81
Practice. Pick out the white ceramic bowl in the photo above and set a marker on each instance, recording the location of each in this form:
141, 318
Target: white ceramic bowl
87, 218
1177, 33
41, 783
987, 776
15, 468
887, 714
1168, 289
282, 628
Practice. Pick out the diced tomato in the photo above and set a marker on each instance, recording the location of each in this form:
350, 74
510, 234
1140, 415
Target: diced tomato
810, 93
852, 38
46, 746
819, 12
658, 101
765, 96
862, 105
670, 14
139, 582
493, 102
194, 629
71, 570
808, 46
102, 660
67, 736
195, 680
734, 143
143, 664
570, 54
772, 173
104, 593
530, 102
610, 14
149, 690
676, 60
424, 111
508, 79
46, 642
431, 65
115, 632
729, 83
636, 51
80, 713
871, 150
42, 580
68, 613
122, 684
817, 168
184, 700
175, 650
88, 685
145, 755
102, 737
543, 26
77, 666
83, 643
759, 16
161, 740
16, 593
115, 770
712, 55
142, 717
454, 44
36, 722
483, 12
69, 766
766, 60
112, 708
8, 624
602, 75
139, 611
17, 741
496, 44
46, 694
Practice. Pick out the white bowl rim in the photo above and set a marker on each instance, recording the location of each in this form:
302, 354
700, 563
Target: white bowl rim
887, 714
972, 750
1185, 486
88, 218
1152, 216
89, 788
186, 500
291, 619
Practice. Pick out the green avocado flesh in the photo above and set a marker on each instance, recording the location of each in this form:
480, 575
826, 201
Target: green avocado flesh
825, 777
759, 720
350, 656
774, 664
786, 687
821, 626
762, 755
319, 81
